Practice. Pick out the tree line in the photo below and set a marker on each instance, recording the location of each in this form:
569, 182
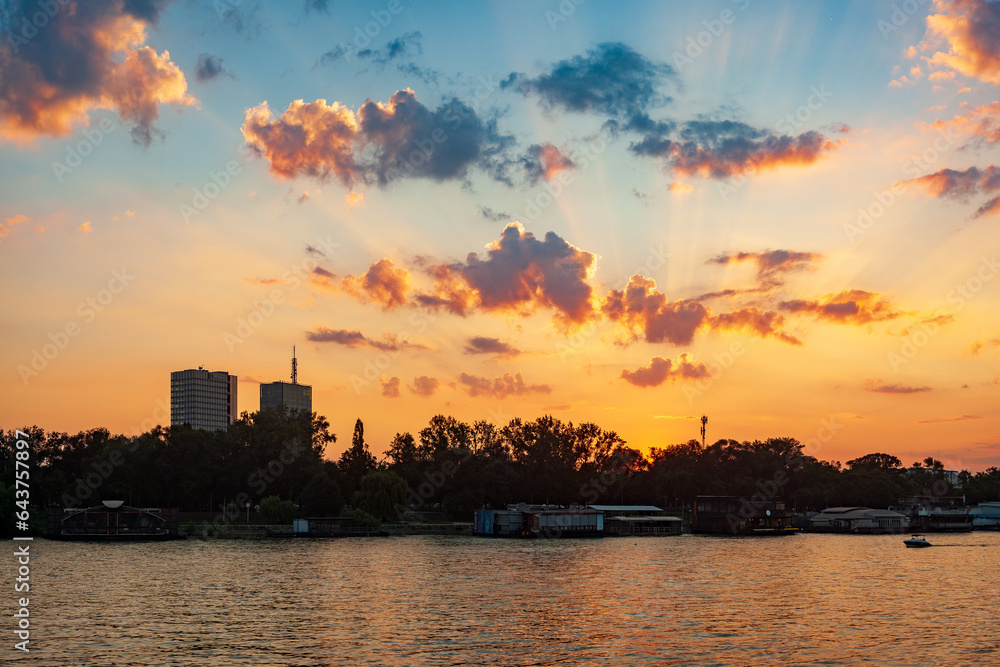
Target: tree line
449, 466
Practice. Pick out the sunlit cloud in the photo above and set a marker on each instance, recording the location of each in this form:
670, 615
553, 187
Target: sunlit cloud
85, 227
390, 386
847, 307
89, 55
880, 387
7, 226
487, 345
971, 29
424, 386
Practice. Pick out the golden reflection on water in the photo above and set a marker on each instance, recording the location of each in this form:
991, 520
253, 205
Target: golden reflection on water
803, 599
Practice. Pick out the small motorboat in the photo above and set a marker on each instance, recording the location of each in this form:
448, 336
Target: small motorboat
917, 541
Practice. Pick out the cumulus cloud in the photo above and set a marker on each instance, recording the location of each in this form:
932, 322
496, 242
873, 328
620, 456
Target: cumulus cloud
384, 283
519, 273
381, 143
847, 307
642, 308
390, 386
500, 387
424, 386
961, 185
880, 387
210, 67
486, 345
971, 29
660, 370
90, 55
388, 343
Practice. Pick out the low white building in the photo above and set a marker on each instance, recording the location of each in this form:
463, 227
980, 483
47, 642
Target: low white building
986, 516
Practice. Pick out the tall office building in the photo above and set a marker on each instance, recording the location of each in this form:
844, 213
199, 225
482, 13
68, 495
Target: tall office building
292, 395
203, 399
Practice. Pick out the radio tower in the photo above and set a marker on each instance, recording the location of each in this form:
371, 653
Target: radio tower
295, 371
704, 421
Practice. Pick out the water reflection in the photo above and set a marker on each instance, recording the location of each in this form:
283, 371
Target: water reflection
428, 600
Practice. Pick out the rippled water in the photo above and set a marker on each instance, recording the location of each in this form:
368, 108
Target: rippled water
805, 599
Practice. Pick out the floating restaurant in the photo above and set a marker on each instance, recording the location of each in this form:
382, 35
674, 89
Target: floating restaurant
732, 515
112, 521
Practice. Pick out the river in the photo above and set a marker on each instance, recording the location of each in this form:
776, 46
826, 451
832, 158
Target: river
437, 600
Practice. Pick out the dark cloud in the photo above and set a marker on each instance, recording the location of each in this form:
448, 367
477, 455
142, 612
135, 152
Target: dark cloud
763, 323
500, 387
211, 67
771, 263
494, 216
380, 144
660, 370
404, 46
611, 79
945, 420
424, 386
389, 342
485, 345
88, 55
319, 6
880, 387
847, 307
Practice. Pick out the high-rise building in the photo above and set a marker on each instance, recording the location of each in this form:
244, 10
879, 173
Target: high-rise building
292, 395
203, 399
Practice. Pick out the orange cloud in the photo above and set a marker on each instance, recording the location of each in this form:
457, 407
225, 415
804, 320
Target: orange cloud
8, 225
519, 273
88, 56
660, 370
384, 283
354, 199
847, 307
380, 143
763, 323
983, 121
389, 342
85, 227
544, 161
972, 30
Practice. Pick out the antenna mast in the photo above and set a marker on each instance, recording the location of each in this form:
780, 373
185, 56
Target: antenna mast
704, 421
295, 371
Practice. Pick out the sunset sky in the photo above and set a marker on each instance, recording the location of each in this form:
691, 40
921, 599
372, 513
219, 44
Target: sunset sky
781, 215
